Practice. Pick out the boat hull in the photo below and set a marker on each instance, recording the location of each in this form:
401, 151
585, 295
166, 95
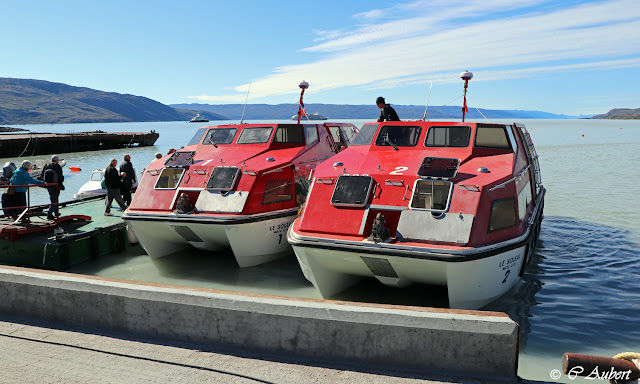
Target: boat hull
472, 280
253, 241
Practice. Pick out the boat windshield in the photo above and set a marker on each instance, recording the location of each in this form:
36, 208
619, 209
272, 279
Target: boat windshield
220, 136
398, 135
255, 135
365, 135
96, 176
196, 138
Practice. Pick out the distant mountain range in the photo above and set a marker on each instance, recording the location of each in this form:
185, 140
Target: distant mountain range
620, 114
342, 111
25, 101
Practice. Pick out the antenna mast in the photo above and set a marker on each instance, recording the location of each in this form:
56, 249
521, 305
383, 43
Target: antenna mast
424, 117
245, 103
466, 76
304, 85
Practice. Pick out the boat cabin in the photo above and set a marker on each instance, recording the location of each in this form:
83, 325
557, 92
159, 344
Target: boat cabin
240, 168
448, 183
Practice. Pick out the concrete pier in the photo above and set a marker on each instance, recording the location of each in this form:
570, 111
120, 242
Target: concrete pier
451, 342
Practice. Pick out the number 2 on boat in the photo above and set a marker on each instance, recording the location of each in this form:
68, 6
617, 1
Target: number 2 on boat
398, 171
506, 274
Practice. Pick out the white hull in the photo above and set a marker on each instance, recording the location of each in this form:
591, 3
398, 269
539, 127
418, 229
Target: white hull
252, 243
470, 284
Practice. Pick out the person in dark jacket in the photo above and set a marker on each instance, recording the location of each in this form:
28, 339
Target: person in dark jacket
129, 178
387, 113
52, 174
113, 180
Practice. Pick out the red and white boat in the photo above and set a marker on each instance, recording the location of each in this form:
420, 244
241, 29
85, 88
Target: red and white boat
238, 185
445, 203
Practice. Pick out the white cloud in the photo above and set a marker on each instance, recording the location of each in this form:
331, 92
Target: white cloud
591, 36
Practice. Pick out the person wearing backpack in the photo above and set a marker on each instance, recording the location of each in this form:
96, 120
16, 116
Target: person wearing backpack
52, 174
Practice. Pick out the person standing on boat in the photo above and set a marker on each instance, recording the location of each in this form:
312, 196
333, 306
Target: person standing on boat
129, 178
387, 113
52, 174
21, 176
113, 180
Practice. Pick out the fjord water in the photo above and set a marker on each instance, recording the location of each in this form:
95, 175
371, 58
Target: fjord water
580, 294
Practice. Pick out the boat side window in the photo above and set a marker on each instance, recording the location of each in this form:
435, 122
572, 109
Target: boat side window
198, 135
311, 133
448, 137
278, 191
220, 136
336, 134
289, 133
503, 214
524, 199
398, 135
431, 195
365, 135
255, 135
492, 137
169, 178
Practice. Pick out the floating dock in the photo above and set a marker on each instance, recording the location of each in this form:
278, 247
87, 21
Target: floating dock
29, 144
88, 235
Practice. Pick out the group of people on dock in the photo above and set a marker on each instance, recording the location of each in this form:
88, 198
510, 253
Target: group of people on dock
118, 182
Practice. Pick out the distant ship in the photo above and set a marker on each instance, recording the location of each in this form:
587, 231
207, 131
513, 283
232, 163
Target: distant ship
198, 119
313, 116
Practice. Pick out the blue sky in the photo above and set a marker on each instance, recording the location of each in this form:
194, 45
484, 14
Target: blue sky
569, 57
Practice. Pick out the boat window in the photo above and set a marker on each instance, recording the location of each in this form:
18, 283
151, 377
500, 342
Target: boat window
440, 167
524, 199
278, 191
448, 137
256, 135
431, 195
398, 135
220, 136
492, 137
169, 178
311, 133
365, 135
336, 134
180, 159
503, 214
96, 176
196, 138
289, 133
223, 178
352, 191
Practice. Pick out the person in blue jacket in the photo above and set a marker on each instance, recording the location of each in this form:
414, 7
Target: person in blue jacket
21, 176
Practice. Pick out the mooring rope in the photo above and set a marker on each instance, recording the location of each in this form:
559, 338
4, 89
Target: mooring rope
633, 357
25, 148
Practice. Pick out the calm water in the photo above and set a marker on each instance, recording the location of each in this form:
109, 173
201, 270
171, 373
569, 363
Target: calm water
581, 294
